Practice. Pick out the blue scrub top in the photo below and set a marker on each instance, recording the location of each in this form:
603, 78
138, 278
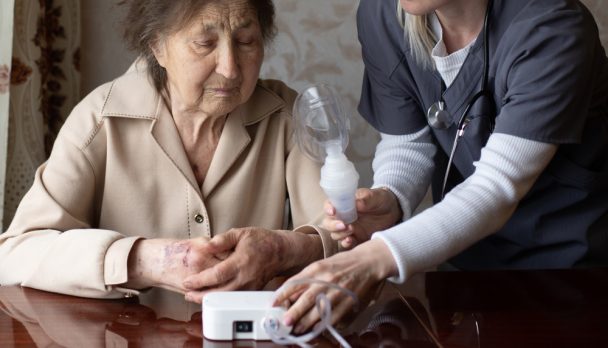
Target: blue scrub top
548, 74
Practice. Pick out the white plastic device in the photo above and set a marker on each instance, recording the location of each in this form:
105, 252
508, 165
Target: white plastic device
242, 315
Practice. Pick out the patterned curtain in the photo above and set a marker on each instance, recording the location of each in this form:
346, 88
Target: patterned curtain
6, 44
44, 87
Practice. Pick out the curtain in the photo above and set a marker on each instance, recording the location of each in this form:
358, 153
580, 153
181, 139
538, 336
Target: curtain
45, 86
6, 43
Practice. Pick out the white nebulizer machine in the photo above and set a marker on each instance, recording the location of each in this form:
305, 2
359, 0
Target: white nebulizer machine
321, 131
250, 315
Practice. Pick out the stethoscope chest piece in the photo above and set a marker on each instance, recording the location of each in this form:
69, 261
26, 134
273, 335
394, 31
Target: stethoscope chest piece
437, 116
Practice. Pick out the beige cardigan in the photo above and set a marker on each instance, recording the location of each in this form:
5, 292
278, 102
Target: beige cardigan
118, 172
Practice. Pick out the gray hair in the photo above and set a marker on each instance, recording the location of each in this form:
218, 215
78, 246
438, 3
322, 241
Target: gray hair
417, 31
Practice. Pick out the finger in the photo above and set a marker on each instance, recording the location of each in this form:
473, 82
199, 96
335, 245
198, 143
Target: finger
371, 200
328, 208
334, 225
293, 298
363, 193
340, 235
289, 292
341, 308
301, 307
349, 242
313, 316
217, 275
223, 242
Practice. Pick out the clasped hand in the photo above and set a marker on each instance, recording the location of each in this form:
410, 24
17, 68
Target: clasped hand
254, 258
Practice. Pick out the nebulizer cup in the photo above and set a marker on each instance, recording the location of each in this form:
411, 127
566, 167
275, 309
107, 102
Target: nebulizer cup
321, 131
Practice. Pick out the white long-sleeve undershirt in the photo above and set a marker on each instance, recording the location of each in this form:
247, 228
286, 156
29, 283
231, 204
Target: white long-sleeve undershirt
476, 208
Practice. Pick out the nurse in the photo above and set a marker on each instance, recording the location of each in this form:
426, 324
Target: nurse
500, 105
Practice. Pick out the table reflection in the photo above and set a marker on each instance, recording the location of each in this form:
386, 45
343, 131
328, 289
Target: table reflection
47, 319
535, 308
163, 319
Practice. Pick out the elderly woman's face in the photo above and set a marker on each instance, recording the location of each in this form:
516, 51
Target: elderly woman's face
213, 63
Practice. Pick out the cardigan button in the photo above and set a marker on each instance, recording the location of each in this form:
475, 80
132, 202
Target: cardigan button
199, 218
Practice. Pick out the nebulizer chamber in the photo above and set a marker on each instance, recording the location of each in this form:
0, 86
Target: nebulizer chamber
321, 130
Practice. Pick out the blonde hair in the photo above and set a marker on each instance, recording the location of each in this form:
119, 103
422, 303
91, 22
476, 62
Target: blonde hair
417, 31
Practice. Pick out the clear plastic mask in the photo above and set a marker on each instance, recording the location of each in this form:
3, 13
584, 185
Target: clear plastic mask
321, 125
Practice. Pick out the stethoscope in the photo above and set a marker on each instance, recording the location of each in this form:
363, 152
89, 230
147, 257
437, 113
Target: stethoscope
439, 118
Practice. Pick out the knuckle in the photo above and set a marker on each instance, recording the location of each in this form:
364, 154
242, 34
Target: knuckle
311, 317
316, 268
296, 311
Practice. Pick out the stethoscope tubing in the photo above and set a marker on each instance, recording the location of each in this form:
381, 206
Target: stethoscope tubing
464, 120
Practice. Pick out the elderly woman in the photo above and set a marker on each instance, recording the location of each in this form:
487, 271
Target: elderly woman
186, 145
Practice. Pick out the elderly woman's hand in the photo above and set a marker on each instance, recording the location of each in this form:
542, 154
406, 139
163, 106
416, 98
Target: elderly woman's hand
167, 262
377, 209
256, 256
360, 270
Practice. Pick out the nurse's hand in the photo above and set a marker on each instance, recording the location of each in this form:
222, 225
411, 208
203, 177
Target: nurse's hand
256, 256
360, 270
166, 263
377, 209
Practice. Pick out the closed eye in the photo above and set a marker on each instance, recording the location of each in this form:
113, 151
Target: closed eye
205, 44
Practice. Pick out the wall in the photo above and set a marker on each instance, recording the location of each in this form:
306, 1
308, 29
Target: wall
599, 9
103, 55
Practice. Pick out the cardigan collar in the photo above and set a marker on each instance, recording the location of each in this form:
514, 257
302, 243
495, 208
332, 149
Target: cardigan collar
133, 96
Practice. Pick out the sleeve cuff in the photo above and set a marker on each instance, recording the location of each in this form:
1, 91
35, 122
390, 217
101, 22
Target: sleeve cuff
400, 279
115, 262
330, 246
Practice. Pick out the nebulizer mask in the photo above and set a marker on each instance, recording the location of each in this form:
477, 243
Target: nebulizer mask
321, 129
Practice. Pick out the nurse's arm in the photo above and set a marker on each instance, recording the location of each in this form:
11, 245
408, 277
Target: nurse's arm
476, 208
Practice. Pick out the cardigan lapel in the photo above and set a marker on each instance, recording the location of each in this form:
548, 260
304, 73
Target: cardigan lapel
233, 141
167, 137
133, 96
235, 136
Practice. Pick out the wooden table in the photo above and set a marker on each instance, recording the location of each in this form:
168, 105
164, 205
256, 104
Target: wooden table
31, 317
565, 308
